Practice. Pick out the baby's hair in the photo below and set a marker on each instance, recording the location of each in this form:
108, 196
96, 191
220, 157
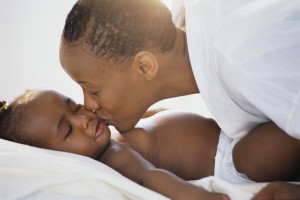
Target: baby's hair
119, 29
12, 120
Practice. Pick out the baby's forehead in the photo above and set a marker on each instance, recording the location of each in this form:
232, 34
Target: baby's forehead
49, 96
42, 114
46, 101
50, 93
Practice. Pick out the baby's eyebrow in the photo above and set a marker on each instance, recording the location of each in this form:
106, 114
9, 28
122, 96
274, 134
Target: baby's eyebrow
68, 100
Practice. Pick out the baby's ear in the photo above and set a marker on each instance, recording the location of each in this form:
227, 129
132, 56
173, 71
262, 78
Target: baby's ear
145, 63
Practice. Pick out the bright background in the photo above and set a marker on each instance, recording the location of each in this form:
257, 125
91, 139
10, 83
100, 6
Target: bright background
29, 42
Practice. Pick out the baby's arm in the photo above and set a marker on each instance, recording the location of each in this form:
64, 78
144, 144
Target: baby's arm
132, 165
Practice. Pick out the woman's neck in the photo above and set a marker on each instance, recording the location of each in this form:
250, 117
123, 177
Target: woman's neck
176, 72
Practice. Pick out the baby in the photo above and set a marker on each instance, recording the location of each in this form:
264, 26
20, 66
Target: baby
50, 120
47, 119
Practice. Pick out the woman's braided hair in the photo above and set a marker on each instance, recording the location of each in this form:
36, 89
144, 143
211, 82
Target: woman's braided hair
118, 29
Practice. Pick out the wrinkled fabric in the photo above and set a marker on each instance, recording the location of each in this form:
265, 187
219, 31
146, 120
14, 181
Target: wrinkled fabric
33, 173
245, 59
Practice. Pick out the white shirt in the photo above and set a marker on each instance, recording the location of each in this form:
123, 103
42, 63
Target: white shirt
245, 56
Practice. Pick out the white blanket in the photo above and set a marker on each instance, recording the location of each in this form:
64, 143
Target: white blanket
33, 173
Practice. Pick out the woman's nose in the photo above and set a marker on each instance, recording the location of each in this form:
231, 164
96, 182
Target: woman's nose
90, 103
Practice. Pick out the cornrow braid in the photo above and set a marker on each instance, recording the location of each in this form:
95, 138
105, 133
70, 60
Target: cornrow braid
120, 28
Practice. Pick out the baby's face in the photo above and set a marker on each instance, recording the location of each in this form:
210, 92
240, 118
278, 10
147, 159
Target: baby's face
56, 122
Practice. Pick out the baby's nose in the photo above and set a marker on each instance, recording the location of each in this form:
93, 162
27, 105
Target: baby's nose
82, 121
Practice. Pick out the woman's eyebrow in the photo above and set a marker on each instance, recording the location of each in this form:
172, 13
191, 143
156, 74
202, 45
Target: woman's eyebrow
84, 82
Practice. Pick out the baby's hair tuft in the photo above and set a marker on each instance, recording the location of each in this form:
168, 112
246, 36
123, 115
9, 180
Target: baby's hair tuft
12, 120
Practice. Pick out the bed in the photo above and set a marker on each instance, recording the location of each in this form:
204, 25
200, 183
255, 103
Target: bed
32, 173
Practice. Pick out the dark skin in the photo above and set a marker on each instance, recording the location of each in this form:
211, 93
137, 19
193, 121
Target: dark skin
194, 162
103, 85
282, 164
145, 154
149, 73
274, 164
279, 190
58, 123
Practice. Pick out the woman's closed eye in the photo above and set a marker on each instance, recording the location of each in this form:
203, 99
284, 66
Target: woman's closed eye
96, 93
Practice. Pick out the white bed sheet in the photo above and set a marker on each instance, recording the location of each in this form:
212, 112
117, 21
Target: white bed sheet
33, 173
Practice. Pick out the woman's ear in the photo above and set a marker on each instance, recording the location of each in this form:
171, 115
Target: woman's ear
145, 64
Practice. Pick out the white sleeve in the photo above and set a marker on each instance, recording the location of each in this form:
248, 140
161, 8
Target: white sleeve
264, 51
275, 94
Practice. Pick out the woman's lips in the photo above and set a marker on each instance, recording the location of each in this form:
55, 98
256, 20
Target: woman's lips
99, 129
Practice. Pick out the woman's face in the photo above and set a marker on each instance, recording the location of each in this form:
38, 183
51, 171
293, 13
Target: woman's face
58, 123
117, 93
